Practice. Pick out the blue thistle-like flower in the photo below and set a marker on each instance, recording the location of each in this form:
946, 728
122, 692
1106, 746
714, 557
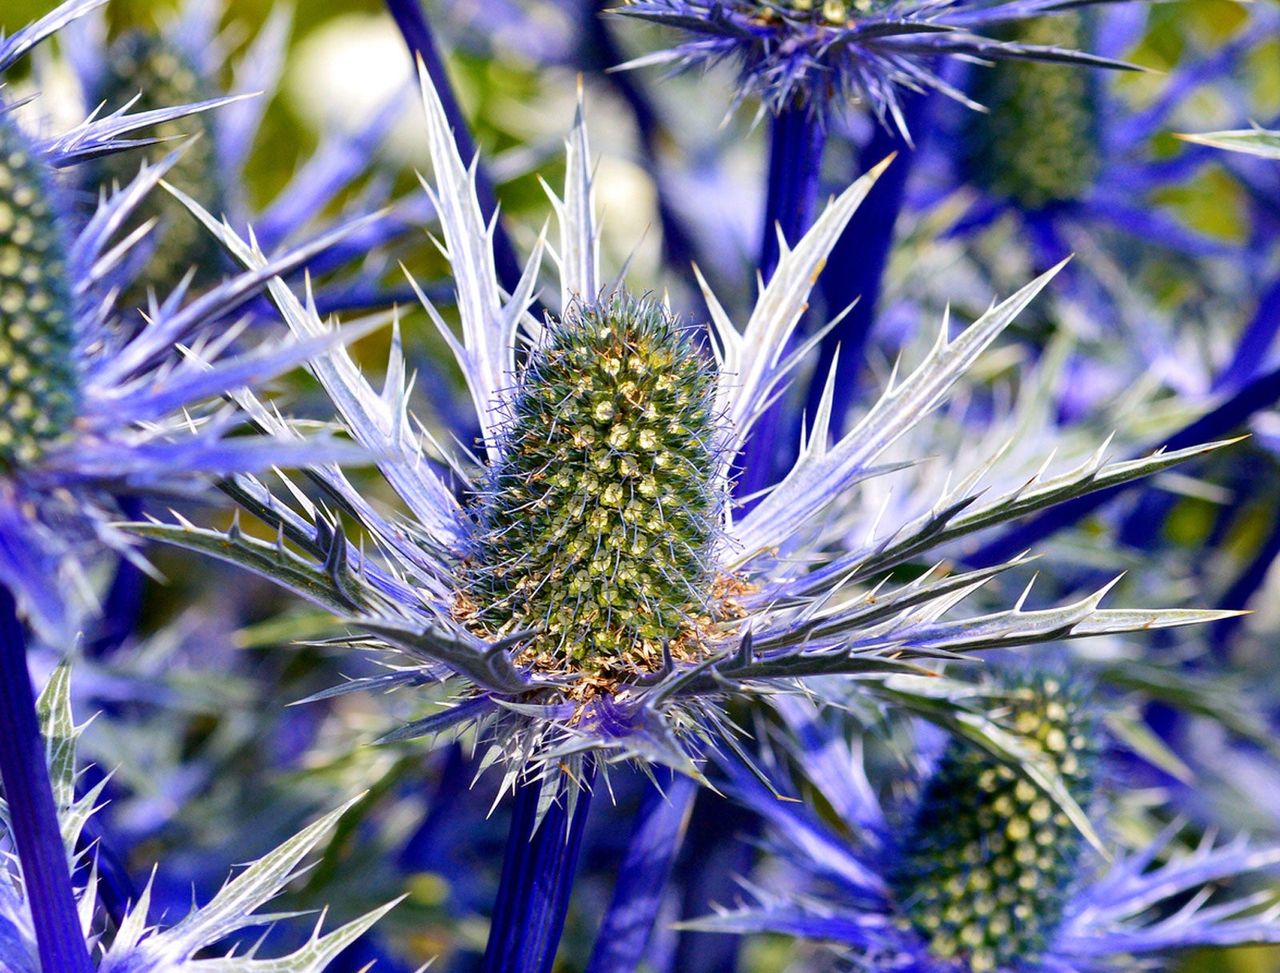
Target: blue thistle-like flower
1062, 151
981, 872
822, 56
93, 410
590, 587
135, 946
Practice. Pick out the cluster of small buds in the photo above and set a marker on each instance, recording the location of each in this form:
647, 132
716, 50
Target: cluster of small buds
38, 375
1048, 111
830, 13
989, 859
595, 525
149, 67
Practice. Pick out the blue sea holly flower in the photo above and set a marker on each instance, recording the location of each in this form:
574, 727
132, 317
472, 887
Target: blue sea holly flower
978, 872
590, 585
93, 410
824, 55
1064, 150
135, 945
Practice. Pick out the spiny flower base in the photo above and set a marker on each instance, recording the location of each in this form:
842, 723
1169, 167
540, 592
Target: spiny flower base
596, 523
38, 378
989, 858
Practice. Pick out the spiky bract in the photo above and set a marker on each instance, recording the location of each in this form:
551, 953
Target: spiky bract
596, 524
989, 860
821, 55
38, 375
1038, 142
159, 74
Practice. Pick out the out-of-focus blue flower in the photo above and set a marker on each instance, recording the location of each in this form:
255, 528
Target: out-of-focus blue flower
185, 60
977, 872
135, 946
822, 56
1063, 152
94, 408
590, 586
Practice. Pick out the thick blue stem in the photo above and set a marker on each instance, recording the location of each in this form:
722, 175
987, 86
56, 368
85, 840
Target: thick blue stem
123, 604
418, 35
598, 52
859, 259
718, 850
32, 812
537, 877
642, 881
796, 143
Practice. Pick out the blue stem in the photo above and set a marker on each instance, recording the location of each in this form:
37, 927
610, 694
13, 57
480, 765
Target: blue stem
859, 259
418, 35
537, 877
34, 816
719, 848
123, 604
642, 881
1244, 588
796, 143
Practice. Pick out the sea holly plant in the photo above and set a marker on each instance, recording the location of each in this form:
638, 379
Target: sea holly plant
975, 871
822, 57
590, 592
137, 945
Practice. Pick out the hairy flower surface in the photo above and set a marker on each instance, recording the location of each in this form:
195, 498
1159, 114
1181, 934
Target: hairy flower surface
92, 410
987, 876
822, 56
136, 946
596, 525
589, 587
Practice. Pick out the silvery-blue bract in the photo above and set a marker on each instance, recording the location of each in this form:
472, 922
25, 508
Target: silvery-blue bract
137, 946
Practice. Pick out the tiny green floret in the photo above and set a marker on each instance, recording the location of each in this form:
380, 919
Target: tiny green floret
989, 859
595, 525
159, 74
823, 13
1037, 144
38, 373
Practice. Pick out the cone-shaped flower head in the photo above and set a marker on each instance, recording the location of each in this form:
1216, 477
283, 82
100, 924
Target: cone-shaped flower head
157, 72
981, 871
39, 377
596, 525
1037, 144
989, 860
822, 55
92, 410
588, 582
